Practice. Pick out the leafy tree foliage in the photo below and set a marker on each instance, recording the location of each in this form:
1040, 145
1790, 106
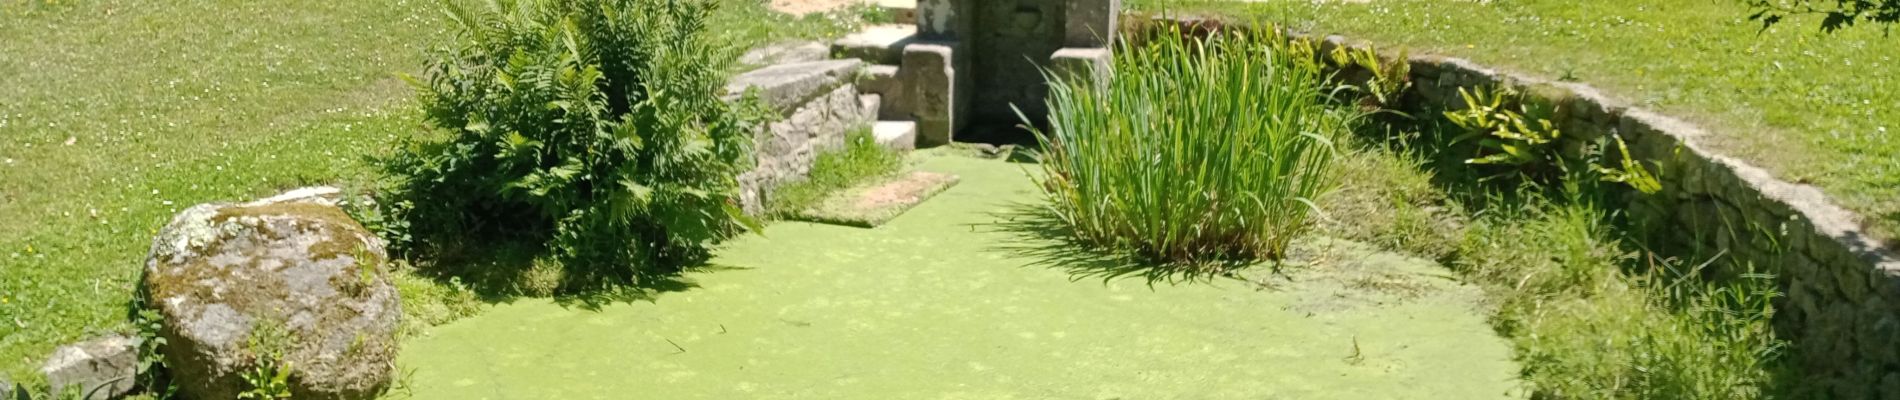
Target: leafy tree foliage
1836, 14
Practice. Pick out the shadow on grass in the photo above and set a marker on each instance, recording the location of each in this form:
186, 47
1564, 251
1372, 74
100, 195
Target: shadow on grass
505, 271
1049, 242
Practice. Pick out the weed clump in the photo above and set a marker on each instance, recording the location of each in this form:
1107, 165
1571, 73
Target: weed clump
1203, 149
594, 128
861, 160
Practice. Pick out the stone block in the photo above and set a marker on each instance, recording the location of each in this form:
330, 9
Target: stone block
879, 79
895, 135
934, 94
1094, 63
103, 368
877, 44
1090, 23
868, 104
785, 87
883, 81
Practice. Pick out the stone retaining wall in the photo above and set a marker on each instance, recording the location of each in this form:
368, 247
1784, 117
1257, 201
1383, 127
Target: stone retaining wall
817, 104
1842, 287
1841, 309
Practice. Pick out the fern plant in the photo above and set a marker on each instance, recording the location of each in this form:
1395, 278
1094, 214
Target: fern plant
1505, 135
1628, 171
596, 127
1387, 80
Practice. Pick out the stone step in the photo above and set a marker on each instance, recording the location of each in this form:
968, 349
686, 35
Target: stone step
882, 81
876, 44
879, 79
785, 87
895, 135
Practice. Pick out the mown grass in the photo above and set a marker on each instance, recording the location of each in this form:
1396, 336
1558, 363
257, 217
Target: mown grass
861, 160
118, 113
1812, 107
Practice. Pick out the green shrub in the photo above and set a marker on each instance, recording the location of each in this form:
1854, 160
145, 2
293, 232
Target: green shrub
861, 159
595, 127
1197, 150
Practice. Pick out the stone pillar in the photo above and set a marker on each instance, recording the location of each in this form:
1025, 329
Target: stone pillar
936, 96
940, 20
1090, 23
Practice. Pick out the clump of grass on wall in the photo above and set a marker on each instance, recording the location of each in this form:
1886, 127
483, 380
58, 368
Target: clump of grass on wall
861, 160
1197, 149
592, 127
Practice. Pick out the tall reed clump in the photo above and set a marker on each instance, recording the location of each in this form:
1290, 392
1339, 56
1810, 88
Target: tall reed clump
1196, 150
594, 128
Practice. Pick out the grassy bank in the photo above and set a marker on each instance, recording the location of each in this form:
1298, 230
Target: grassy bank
117, 114
1589, 313
1813, 108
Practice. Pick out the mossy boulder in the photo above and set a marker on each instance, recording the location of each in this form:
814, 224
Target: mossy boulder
219, 272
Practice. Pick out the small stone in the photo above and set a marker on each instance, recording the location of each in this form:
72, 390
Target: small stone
101, 368
6, 387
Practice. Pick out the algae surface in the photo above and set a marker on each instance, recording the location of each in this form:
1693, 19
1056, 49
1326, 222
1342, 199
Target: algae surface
936, 305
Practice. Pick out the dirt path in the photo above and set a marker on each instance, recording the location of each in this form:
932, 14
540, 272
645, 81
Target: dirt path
932, 306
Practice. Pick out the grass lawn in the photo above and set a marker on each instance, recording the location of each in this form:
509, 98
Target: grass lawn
1814, 108
115, 114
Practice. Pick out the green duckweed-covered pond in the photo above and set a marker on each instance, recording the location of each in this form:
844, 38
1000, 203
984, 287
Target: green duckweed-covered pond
942, 303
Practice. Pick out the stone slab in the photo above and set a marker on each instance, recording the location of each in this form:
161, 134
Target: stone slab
785, 53
1093, 63
785, 87
870, 205
877, 44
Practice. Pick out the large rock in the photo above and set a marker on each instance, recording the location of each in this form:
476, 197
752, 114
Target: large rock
102, 368
218, 272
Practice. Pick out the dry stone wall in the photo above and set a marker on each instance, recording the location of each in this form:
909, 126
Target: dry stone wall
817, 104
1841, 309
